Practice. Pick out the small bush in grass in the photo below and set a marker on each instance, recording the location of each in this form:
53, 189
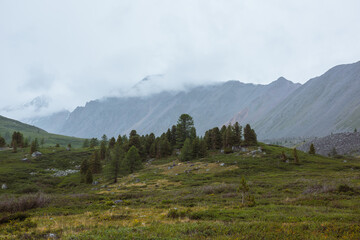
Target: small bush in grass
175, 213
14, 217
23, 203
345, 188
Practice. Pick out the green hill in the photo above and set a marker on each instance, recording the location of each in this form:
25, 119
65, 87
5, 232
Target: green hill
8, 126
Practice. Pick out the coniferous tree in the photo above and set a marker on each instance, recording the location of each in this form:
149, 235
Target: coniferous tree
216, 138
2, 142
112, 143
355, 130
134, 140
93, 142
183, 129
86, 143
89, 177
237, 134
296, 157
96, 163
195, 145
84, 167
312, 149
202, 148
173, 136
102, 150
116, 158
243, 189
34, 146
186, 151
250, 138
104, 139
119, 140
133, 160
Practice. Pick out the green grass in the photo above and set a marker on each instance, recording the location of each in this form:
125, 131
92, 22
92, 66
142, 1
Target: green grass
8, 126
319, 198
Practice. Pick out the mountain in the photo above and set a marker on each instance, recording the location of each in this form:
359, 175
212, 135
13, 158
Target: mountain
325, 104
342, 143
8, 126
212, 105
51, 123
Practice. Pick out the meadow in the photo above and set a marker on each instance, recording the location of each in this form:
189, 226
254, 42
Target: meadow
318, 198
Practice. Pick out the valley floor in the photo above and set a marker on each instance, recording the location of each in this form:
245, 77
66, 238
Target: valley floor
319, 198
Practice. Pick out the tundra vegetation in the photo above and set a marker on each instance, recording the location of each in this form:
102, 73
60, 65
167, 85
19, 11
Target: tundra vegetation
225, 185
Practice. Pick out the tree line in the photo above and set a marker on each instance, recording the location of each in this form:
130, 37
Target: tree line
126, 154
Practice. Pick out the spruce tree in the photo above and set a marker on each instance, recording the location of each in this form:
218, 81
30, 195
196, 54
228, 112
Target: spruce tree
102, 150
202, 149
243, 189
84, 167
116, 158
34, 146
183, 129
133, 160
86, 143
195, 148
89, 177
186, 151
296, 158
312, 149
112, 143
237, 134
96, 163
2, 142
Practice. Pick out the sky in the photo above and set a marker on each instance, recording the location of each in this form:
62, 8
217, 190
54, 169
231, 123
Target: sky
59, 54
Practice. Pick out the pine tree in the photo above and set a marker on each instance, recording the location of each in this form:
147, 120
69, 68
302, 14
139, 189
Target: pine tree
312, 149
119, 140
86, 143
96, 163
243, 189
133, 160
34, 146
202, 149
134, 140
216, 138
296, 158
250, 138
195, 148
93, 142
186, 151
237, 134
102, 150
89, 177
355, 130
2, 142
183, 129
116, 158
112, 143
84, 167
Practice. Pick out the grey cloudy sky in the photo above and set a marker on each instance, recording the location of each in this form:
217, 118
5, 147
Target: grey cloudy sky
59, 54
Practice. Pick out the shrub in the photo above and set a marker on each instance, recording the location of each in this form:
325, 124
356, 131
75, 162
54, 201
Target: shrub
23, 203
345, 188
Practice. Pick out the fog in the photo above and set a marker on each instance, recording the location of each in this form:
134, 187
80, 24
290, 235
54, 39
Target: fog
57, 55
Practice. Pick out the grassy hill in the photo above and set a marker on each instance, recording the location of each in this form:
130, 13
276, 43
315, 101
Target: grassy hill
319, 198
8, 126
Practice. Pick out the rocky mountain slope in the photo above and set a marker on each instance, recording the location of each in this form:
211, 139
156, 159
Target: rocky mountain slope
343, 143
325, 104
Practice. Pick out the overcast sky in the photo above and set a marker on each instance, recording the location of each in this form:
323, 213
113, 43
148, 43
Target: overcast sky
60, 54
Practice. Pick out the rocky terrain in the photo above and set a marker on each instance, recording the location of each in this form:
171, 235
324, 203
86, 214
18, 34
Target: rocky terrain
343, 143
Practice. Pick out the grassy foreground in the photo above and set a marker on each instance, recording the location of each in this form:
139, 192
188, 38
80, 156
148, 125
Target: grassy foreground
316, 199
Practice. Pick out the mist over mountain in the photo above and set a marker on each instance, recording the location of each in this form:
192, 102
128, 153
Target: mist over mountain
325, 104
